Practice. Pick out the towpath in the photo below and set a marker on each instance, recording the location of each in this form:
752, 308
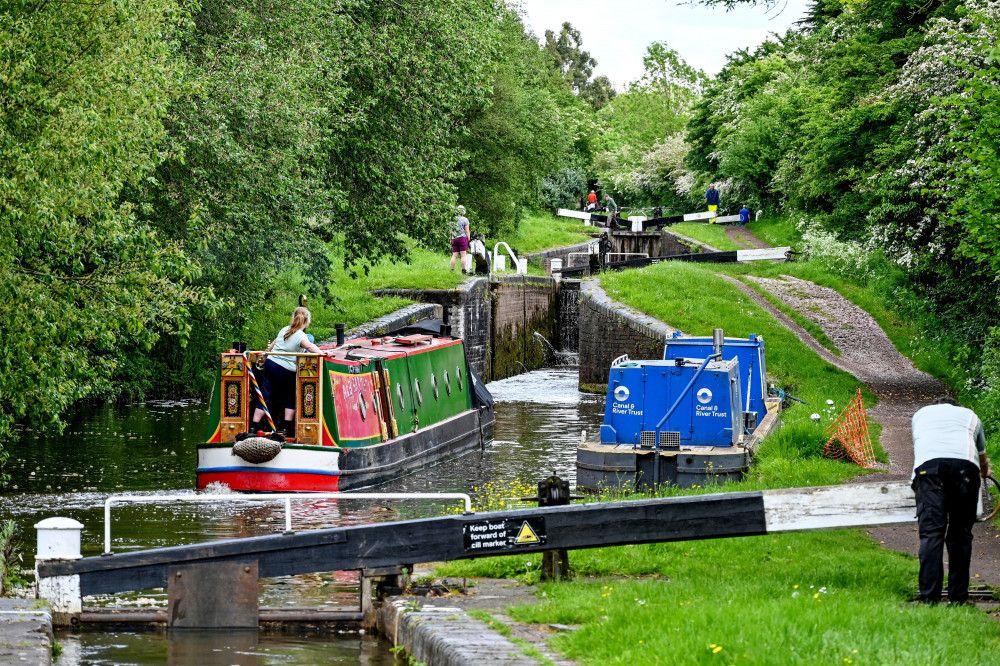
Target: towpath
867, 353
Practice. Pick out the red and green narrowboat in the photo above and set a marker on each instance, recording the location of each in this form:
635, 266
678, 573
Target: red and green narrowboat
373, 410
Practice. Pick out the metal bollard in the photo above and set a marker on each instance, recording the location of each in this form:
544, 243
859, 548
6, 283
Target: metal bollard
59, 539
554, 491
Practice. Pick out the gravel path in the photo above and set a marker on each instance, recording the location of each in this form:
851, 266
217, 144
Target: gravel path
744, 237
868, 354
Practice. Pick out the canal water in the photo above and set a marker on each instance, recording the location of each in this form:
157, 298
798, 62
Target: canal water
150, 449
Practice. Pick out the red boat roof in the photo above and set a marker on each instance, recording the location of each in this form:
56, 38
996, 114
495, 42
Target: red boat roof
388, 346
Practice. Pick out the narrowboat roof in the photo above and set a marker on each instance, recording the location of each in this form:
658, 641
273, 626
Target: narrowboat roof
387, 347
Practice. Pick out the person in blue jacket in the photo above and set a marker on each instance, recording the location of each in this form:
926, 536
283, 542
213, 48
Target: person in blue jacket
744, 215
712, 199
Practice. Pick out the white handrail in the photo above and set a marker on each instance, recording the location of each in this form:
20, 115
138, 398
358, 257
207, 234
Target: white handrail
513, 257
269, 497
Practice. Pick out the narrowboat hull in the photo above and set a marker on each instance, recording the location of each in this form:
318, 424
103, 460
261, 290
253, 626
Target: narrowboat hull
370, 412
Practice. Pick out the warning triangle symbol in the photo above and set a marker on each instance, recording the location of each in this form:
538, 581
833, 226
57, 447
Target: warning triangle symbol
526, 535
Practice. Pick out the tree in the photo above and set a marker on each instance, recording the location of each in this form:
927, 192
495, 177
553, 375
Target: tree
515, 139
575, 66
84, 281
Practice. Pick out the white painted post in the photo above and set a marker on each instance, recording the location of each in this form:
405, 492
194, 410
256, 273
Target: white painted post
499, 263
59, 539
522, 266
637, 221
555, 265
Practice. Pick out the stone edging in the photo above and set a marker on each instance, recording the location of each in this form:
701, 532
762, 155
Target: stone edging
446, 636
25, 632
557, 251
391, 322
610, 308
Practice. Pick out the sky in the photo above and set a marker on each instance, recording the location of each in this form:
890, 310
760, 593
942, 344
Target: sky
617, 33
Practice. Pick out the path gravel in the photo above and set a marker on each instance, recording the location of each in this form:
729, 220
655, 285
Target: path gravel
867, 353
743, 237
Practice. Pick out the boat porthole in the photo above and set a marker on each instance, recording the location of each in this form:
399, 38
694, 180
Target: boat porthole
399, 394
363, 404
458, 375
447, 382
420, 396
434, 385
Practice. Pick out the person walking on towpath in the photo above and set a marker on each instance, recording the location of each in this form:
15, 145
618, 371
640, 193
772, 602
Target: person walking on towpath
949, 456
460, 239
712, 199
591, 201
744, 216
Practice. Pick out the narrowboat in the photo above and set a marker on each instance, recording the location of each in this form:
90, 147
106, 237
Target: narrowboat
372, 410
689, 419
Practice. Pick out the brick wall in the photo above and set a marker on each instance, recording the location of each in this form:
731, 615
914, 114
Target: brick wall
522, 306
609, 329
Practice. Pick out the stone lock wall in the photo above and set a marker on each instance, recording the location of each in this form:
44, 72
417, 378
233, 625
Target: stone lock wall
609, 329
523, 305
498, 320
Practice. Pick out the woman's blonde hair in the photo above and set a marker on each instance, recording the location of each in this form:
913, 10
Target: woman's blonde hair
300, 319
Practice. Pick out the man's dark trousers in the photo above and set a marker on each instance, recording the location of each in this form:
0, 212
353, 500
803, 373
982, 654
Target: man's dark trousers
947, 491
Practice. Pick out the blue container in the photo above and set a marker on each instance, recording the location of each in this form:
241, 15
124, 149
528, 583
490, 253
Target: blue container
749, 352
640, 393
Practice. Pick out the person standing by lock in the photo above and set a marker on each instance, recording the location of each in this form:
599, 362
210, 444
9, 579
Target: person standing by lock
949, 457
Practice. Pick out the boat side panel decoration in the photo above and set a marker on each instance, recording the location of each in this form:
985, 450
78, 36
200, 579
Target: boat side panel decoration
357, 422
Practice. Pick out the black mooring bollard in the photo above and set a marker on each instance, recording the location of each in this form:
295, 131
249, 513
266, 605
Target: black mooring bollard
553, 491
340, 333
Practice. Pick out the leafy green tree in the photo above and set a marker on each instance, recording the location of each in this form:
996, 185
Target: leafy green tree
247, 170
576, 66
641, 128
84, 89
515, 139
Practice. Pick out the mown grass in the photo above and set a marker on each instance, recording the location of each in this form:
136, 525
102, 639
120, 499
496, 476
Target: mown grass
832, 597
824, 597
693, 298
543, 231
353, 303
711, 234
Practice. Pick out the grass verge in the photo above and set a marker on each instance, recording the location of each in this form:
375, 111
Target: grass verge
711, 234
353, 303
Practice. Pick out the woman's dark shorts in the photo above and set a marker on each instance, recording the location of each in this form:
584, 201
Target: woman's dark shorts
460, 244
278, 387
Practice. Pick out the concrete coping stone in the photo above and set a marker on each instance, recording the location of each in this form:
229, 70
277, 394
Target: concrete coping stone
446, 636
25, 632
556, 251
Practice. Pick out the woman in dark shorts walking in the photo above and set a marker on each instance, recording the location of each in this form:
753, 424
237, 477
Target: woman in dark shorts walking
460, 241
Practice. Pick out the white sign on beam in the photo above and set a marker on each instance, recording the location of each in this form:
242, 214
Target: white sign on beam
578, 214
835, 507
762, 253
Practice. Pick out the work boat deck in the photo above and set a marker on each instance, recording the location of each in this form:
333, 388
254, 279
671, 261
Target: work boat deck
374, 409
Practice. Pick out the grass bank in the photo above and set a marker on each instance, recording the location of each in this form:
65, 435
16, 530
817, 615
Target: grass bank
826, 597
711, 234
353, 303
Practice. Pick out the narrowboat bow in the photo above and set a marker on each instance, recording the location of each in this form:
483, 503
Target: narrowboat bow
372, 410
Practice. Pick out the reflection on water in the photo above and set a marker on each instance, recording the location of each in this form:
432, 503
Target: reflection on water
211, 648
150, 448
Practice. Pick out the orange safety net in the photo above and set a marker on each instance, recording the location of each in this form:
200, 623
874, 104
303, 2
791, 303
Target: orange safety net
849, 436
